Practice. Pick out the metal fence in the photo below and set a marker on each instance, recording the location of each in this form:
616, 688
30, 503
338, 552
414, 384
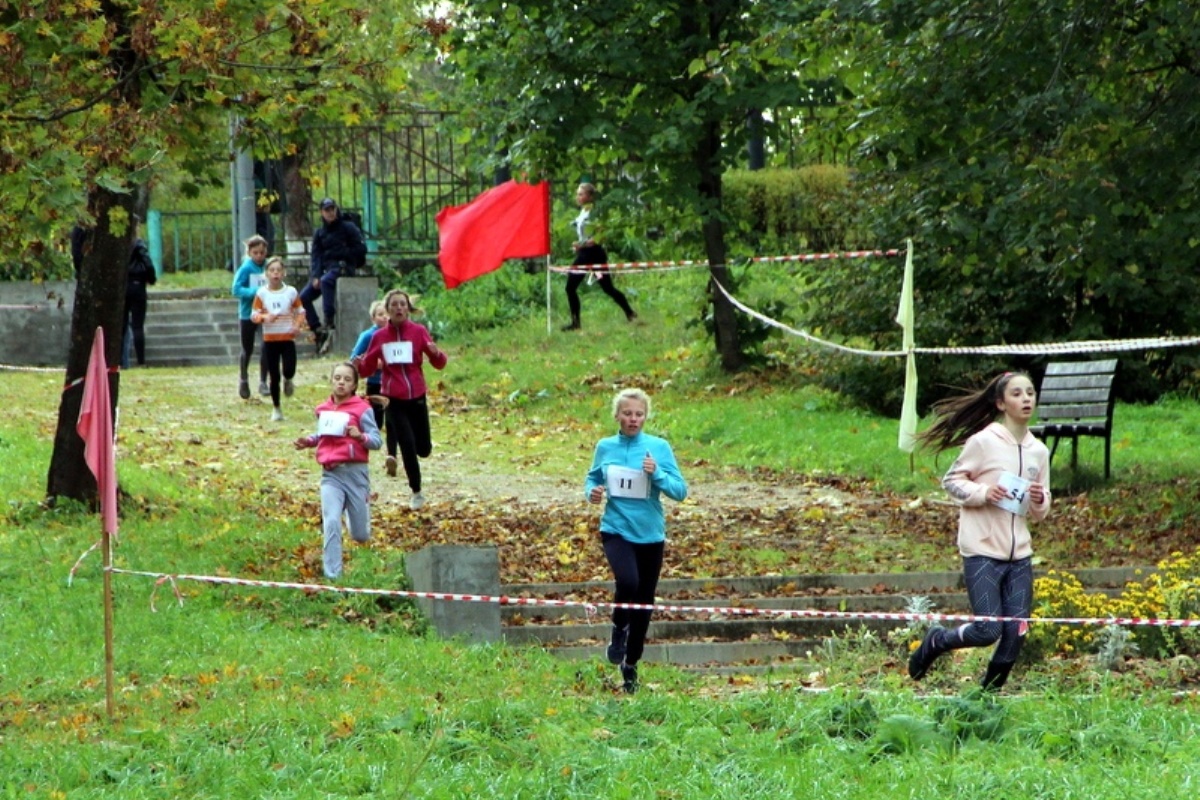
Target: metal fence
193, 241
398, 174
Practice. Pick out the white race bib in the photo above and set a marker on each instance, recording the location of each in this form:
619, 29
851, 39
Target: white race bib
626, 482
258, 281
398, 353
332, 423
1017, 489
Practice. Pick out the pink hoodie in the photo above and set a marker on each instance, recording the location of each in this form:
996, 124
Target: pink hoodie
401, 381
985, 529
334, 450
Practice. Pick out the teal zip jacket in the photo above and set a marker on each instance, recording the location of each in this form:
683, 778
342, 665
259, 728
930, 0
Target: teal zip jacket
244, 288
637, 519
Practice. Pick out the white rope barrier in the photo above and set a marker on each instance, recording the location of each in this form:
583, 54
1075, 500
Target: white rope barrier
1044, 348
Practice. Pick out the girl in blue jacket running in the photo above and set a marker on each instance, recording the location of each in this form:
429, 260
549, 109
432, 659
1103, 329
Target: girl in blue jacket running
630, 472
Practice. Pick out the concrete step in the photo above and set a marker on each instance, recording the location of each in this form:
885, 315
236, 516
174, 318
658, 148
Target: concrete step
729, 643
948, 602
714, 657
728, 630
190, 328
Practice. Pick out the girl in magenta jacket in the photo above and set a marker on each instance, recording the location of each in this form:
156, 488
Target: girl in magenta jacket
1000, 481
346, 432
399, 349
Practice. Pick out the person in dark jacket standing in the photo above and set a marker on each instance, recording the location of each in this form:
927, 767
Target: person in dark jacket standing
140, 275
338, 248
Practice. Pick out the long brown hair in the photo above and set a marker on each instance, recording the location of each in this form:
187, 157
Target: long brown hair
960, 418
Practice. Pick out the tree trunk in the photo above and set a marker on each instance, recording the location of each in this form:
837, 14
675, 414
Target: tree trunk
99, 303
297, 225
708, 166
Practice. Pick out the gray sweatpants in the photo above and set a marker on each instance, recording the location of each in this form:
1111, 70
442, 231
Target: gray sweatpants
345, 488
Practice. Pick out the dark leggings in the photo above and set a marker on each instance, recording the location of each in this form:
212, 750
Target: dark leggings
273, 354
635, 568
996, 589
381, 418
136, 301
408, 420
248, 329
593, 255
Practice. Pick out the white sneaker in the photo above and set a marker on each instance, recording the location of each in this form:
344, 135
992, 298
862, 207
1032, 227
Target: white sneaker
264, 388
289, 388
276, 415
417, 502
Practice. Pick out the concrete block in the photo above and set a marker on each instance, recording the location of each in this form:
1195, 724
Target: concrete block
354, 298
35, 322
454, 569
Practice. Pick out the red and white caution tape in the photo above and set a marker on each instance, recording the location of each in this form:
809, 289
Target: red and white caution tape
674, 265
734, 611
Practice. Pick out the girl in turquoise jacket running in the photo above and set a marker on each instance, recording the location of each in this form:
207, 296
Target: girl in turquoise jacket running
630, 472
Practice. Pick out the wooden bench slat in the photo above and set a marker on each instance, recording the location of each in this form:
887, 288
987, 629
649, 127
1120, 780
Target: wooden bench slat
1076, 399
1059, 385
1103, 367
1056, 397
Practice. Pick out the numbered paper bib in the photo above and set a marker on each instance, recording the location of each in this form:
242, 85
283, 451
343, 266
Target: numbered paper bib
1017, 488
626, 482
332, 423
398, 353
276, 303
258, 281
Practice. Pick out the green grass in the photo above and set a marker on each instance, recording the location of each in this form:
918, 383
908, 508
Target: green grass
253, 692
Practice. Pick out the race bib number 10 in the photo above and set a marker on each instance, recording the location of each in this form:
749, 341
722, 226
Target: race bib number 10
398, 353
626, 482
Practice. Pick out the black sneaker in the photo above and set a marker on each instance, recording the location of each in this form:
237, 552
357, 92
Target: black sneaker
923, 657
616, 648
326, 342
244, 389
629, 678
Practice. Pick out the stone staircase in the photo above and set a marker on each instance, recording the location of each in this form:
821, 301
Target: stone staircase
193, 328
733, 643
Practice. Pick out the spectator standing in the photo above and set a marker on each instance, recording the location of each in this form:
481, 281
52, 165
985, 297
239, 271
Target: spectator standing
140, 274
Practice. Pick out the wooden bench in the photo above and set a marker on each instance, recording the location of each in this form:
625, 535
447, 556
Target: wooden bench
1076, 399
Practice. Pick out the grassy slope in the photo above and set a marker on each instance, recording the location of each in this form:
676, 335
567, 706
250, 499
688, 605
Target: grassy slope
267, 693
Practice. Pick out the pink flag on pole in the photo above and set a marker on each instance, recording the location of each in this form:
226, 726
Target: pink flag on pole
511, 220
96, 429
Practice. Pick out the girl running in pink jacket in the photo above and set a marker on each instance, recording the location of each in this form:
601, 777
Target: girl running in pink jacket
1000, 481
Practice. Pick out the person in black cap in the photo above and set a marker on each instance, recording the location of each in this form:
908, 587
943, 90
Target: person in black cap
338, 248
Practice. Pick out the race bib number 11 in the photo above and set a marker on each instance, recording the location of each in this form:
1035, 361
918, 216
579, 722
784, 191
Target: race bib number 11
626, 482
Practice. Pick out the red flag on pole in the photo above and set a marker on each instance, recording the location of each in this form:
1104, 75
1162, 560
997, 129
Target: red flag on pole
511, 220
96, 429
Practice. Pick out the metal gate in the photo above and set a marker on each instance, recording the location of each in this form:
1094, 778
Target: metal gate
398, 174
